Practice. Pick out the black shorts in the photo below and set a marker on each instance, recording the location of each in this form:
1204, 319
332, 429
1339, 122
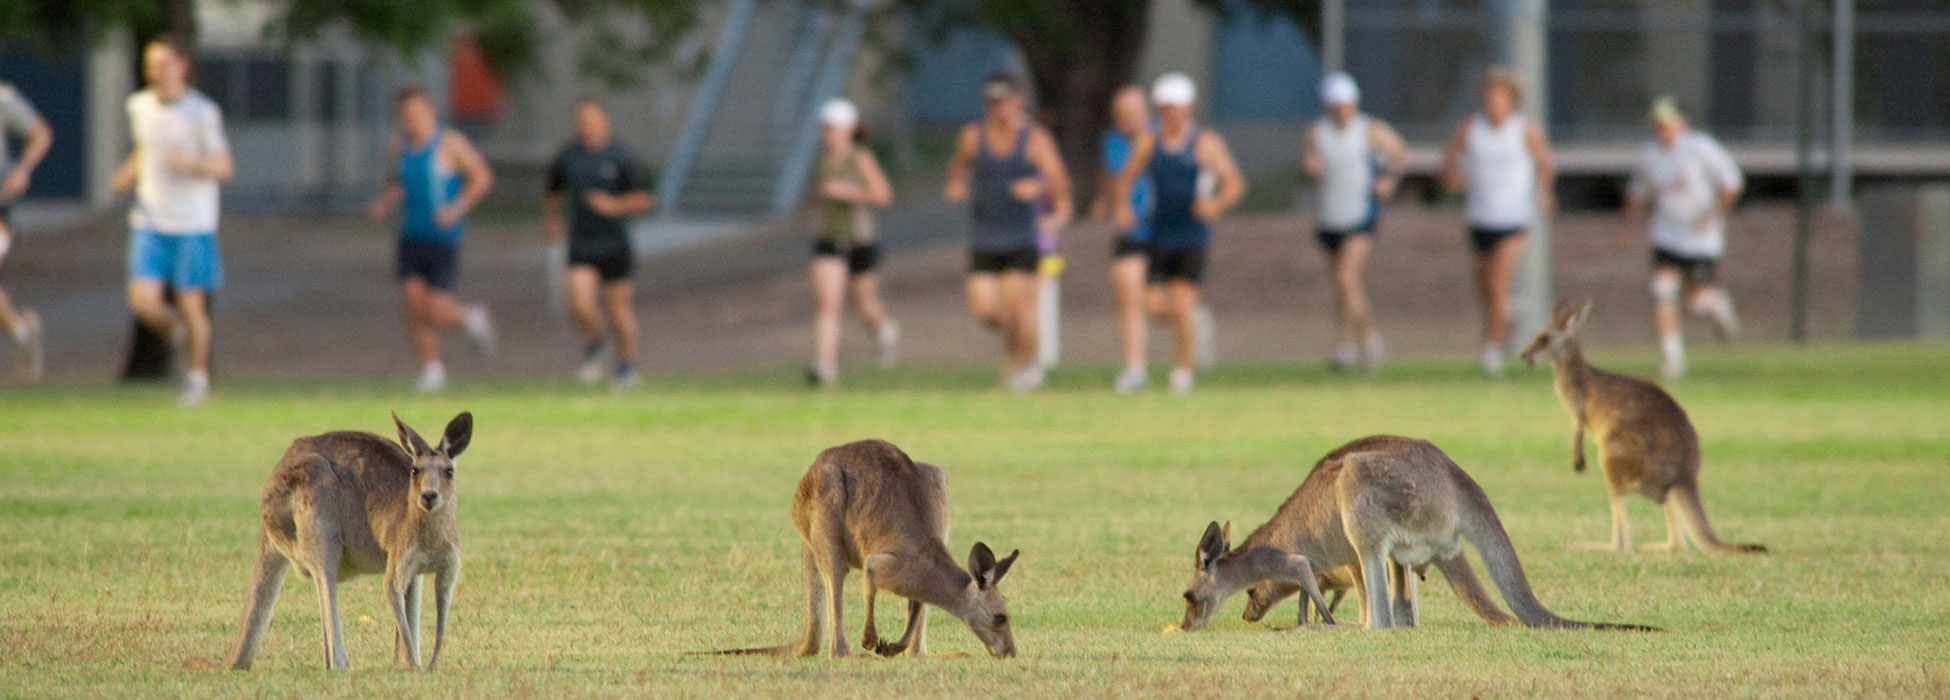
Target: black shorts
860, 258
1695, 272
1124, 246
612, 266
1018, 260
1169, 265
1485, 240
437, 264
1331, 241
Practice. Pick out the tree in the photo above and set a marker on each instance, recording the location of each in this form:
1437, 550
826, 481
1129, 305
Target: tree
1079, 52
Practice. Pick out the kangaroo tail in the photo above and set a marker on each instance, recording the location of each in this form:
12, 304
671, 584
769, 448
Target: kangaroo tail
267, 580
1693, 516
781, 651
1485, 530
1462, 579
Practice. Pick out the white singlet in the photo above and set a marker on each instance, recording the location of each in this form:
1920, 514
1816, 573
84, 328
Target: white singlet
1344, 193
166, 201
1502, 193
1683, 184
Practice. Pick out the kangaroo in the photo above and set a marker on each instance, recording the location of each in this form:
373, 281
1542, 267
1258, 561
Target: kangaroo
865, 505
348, 503
1646, 444
1461, 576
1378, 503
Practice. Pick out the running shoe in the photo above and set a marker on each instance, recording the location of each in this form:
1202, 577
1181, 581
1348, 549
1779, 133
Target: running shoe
887, 344
821, 376
196, 389
1492, 360
626, 379
1130, 381
433, 379
1344, 357
1181, 381
1205, 342
1673, 367
1371, 353
479, 325
1026, 380
595, 363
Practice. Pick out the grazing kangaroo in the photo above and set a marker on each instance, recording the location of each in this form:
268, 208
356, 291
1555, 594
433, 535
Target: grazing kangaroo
1461, 576
1379, 503
865, 505
1646, 444
348, 503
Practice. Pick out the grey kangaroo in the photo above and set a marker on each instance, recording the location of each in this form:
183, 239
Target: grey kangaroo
865, 505
1646, 444
348, 503
1379, 503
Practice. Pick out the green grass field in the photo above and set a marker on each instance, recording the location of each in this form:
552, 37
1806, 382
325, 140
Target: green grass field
606, 536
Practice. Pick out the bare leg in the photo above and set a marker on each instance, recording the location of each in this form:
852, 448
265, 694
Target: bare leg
1183, 300
420, 330
444, 581
866, 300
194, 306
985, 300
620, 301
1493, 273
1350, 295
583, 281
1127, 281
1020, 291
828, 291
146, 302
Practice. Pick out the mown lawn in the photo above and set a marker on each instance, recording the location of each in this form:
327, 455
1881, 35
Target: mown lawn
606, 536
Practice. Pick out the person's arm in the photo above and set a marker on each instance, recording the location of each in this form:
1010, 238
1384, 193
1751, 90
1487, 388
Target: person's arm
553, 226
1121, 209
1452, 155
212, 157
1214, 157
390, 193
874, 189
1540, 153
956, 189
476, 178
1727, 175
1048, 160
124, 179
1637, 192
1310, 162
39, 138
630, 199
1386, 141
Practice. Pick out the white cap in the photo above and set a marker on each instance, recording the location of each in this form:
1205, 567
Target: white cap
1174, 90
1339, 89
839, 113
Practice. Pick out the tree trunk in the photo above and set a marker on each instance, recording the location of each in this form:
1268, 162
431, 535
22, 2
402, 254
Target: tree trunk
1078, 58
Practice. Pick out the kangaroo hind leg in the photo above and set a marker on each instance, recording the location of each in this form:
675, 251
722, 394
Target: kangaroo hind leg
267, 581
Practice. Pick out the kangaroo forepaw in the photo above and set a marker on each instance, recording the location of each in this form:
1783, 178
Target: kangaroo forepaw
1577, 465
875, 645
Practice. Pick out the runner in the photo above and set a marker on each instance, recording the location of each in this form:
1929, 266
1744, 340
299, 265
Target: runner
604, 183
18, 117
179, 157
438, 179
1356, 161
1012, 164
1504, 165
1130, 120
1196, 182
851, 186
1691, 183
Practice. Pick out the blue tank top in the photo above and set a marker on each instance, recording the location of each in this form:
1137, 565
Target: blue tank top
1002, 223
428, 187
1174, 177
1116, 153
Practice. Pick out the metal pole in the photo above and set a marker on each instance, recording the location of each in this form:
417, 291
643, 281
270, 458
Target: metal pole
1333, 36
1526, 34
1841, 146
1804, 167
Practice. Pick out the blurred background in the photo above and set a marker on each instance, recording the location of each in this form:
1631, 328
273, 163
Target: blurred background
1839, 111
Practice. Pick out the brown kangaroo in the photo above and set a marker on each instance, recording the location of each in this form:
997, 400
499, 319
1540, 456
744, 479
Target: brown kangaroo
865, 505
1379, 503
1646, 444
348, 503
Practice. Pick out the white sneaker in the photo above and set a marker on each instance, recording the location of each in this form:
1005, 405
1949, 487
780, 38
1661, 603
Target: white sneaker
887, 344
196, 389
1492, 360
29, 357
1205, 343
821, 375
1673, 367
1026, 380
1371, 353
1130, 380
479, 325
1726, 323
1181, 381
595, 363
433, 379
1344, 357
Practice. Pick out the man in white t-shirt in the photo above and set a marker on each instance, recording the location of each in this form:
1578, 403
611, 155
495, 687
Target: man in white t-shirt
18, 116
1691, 183
179, 158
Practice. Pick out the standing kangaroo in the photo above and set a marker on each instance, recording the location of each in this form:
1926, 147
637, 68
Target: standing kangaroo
1646, 444
867, 506
348, 503
1387, 505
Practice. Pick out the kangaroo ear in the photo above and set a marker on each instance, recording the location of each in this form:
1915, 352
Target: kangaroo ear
415, 446
459, 431
1211, 545
981, 565
1576, 319
1002, 567
1227, 531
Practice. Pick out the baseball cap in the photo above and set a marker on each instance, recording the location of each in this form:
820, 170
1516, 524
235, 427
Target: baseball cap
1339, 89
1174, 90
1665, 110
839, 113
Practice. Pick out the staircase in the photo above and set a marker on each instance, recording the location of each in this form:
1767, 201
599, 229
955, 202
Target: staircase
751, 131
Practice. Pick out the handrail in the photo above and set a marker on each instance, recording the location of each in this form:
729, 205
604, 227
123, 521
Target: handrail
704, 105
837, 64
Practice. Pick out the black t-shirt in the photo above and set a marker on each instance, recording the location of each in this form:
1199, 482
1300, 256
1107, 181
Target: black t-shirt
576, 171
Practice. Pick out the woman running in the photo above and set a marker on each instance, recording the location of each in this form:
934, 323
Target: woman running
1503, 164
1356, 161
851, 186
1130, 120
